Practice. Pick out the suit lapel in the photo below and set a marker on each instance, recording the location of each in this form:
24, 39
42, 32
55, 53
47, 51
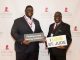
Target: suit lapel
28, 27
35, 25
57, 28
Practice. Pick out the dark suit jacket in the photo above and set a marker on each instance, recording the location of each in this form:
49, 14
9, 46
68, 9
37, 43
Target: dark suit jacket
21, 27
62, 29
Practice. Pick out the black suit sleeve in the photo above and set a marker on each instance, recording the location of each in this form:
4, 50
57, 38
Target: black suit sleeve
14, 32
39, 27
39, 30
49, 32
68, 36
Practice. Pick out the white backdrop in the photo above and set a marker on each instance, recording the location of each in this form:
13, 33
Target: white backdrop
43, 11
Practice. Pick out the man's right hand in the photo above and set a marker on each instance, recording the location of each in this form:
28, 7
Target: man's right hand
26, 42
61, 47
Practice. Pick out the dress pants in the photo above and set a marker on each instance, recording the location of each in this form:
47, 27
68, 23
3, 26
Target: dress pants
27, 56
57, 57
54, 55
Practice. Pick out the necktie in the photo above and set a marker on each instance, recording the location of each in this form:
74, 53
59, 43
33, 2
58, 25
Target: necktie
56, 25
30, 23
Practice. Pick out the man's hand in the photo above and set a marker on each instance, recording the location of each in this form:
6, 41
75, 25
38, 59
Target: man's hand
44, 39
61, 47
26, 42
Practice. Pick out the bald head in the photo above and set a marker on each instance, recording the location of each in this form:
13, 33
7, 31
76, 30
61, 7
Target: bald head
57, 17
29, 11
58, 14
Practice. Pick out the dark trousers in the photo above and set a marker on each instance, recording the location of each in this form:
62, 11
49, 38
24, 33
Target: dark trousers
27, 56
57, 56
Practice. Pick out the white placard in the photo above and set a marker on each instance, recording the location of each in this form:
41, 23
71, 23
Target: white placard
56, 41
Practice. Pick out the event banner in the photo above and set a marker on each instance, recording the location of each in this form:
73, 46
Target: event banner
34, 37
56, 41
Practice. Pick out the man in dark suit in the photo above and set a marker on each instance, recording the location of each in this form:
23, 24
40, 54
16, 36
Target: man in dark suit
26, 50
56, 29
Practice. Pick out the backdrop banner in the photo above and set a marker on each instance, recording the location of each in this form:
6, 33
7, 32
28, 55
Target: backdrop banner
43, 11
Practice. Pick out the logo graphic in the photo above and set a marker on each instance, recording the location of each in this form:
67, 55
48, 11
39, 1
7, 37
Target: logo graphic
7, 47
66, 9
46, 9
75, 28
6, 51
6, 9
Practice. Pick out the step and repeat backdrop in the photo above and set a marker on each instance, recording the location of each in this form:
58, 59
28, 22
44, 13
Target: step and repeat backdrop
43, 11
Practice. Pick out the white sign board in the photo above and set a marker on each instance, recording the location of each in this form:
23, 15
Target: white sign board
56, 41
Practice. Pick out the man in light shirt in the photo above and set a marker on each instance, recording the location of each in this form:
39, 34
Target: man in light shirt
26, 50
56, 29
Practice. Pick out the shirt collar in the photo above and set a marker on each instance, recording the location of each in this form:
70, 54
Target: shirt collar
57, 23
27, 18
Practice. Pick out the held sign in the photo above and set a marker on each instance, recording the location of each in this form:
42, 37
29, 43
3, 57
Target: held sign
34, 37
56, 41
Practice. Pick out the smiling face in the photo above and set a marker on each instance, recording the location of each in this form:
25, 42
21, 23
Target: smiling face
58, 17
29, 11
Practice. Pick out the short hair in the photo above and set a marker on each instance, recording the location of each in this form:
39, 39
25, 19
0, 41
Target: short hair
58, 14
28, 7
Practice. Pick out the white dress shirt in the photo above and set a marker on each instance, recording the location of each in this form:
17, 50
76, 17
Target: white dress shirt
30, 22
56, 24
